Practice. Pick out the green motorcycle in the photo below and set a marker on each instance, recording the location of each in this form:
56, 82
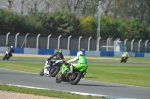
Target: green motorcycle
73, 77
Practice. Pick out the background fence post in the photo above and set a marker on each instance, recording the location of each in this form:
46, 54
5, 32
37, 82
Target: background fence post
69, 42
79, 42
37, 42
139, 45
48, 41
16, 40
132, 45
7, 38
59, 41
89, 43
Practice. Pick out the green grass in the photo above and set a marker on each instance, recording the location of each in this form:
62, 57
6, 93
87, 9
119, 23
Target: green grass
49, 93
137, 75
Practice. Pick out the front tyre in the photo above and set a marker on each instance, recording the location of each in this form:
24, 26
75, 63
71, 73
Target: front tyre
5, 57
59, 78
75, 78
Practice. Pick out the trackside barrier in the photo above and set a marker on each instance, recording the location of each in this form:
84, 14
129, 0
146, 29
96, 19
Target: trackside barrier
147, 55
19, 50
30, 51
93, 53
139, 54
131, 54
45, 51
3, 49
107, 53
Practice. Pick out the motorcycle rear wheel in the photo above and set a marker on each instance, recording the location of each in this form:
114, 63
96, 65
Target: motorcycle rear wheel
55, 71
76, 78
8, 57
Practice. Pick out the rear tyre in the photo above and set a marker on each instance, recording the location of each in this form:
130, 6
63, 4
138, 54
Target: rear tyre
41, 72
125, 60
75, 78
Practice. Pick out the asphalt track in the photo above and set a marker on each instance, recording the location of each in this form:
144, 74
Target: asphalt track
109, 90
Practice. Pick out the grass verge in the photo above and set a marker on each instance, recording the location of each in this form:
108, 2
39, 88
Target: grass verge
49, 93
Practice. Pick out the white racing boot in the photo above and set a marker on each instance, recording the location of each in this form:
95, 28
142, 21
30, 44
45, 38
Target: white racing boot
46, 68
46, 72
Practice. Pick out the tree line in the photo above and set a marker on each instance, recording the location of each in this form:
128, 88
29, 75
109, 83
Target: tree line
128, 19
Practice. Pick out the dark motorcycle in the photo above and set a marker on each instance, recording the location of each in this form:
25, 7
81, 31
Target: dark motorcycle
124, 59
7, 56
73, 77
52, 68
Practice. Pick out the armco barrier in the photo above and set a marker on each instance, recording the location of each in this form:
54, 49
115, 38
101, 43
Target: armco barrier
139, 54
3, 49
118, 54
19, 50
73, 52
147, 55
30, 51
105, 53
131, 54
45, 51
93, 53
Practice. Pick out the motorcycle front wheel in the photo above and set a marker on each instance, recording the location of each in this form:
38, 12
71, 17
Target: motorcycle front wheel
59, 78
4, 57
41, 72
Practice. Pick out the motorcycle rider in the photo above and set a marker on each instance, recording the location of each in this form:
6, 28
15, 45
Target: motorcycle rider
125, 55
81, 62
10, 50
58, 57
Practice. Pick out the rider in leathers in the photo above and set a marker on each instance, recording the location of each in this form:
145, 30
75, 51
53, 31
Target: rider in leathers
81, 62
58, 57
10, 50
125, 55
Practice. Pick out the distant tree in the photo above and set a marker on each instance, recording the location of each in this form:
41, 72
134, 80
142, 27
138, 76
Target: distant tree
61, 23
87, 25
